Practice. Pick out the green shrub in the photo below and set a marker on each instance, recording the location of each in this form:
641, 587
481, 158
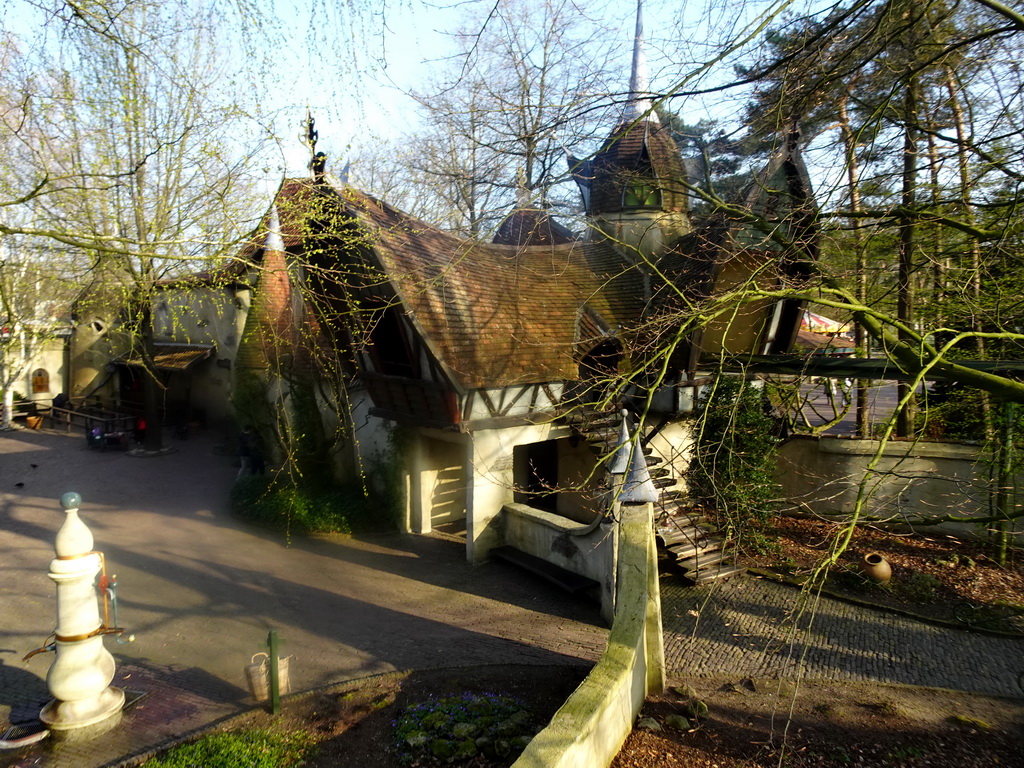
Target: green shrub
733, 466
918, 586
241, 749
305, 508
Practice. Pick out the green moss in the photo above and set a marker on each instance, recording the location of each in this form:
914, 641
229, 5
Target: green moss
970, 722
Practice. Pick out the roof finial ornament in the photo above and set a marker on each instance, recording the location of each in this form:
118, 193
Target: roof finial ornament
639, 104
310, 136
522, 189
274, 241
318, 160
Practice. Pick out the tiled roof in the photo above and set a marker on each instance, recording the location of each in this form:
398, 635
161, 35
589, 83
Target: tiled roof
634, 150
822, 341
531, 226
175, 357
497, 315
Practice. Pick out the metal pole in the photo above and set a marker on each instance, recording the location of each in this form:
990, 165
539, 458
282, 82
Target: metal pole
275, 682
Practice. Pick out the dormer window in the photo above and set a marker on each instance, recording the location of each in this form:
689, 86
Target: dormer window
390, 349
641, 194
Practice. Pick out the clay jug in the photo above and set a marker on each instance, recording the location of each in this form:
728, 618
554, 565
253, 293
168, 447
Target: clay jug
876, 568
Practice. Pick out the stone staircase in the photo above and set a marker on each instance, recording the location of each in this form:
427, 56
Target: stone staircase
686, 539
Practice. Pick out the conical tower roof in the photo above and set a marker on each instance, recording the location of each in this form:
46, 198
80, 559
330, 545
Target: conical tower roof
639, 152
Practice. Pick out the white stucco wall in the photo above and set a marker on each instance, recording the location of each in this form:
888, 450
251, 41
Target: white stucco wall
204, 315
490, 453
49, 358
912, 479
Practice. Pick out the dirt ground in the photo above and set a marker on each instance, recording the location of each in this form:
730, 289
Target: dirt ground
933, 574
765, 723
749, 723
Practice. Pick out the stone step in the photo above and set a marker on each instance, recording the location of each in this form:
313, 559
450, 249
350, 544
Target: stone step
705, 559
671, 535
696, 547
567, 580
673, 497
664, 482
585, 420
684, 535
722, 571
678, 515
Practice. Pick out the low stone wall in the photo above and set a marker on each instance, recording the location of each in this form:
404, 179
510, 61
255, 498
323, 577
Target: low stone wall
589, 729
912, 479
559, 540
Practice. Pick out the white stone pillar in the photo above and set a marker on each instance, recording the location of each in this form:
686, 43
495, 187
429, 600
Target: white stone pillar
80, 676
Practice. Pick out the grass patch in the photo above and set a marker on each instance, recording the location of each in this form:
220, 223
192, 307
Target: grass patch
886, 708
970, 722
307, 508
239, 749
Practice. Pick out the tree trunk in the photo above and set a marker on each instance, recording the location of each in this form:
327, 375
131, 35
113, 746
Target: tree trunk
904, 283
5, 422
974, 258
860, 338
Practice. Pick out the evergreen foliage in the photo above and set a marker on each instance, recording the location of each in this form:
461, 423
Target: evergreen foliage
733, 464
308, 507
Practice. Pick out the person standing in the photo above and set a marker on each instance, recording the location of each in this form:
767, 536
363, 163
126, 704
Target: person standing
246, 441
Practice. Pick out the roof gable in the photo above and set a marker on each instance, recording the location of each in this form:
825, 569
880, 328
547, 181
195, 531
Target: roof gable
495, 315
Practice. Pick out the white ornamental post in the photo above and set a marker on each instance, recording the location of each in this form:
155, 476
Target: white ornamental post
80, 676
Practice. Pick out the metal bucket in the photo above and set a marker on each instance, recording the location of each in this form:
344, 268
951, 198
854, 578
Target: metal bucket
258, 675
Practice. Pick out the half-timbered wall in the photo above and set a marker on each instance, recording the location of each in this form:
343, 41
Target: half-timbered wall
510, 402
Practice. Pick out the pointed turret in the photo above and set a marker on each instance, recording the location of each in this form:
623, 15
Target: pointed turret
633, 188
639, 104
270, 327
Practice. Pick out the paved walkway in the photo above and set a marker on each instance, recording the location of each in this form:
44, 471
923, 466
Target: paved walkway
752, 627
200, 590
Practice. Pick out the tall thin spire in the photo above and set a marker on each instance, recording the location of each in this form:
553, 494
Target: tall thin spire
639, 103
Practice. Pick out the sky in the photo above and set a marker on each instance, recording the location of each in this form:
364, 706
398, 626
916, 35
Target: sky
354, 63
408, 42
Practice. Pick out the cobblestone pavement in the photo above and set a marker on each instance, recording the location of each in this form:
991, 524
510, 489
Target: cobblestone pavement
753, 627
200, 591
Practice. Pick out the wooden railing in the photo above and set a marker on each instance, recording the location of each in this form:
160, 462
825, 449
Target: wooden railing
91, 418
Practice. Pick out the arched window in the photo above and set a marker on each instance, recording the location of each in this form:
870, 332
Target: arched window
40, 381
641, 194
602, 361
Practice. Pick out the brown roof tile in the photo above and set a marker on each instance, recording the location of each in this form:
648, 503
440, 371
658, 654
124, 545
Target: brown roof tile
497, 315
635, 150
531, 226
